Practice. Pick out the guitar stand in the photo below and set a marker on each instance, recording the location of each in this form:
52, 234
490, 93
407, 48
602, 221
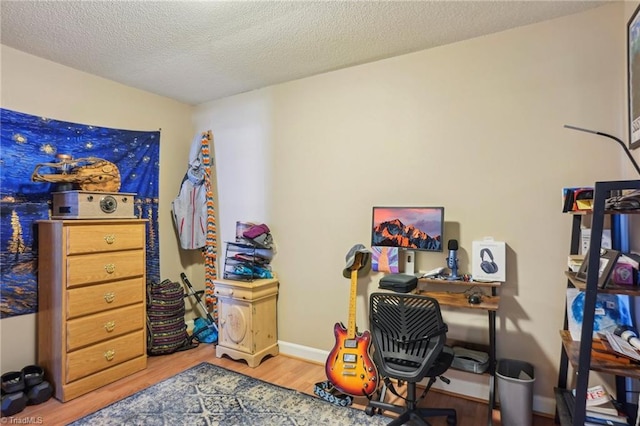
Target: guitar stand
328, 392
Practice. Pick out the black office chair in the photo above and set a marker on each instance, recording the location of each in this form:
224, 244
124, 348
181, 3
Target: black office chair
408, 339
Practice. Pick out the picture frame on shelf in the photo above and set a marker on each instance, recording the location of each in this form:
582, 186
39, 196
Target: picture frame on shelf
608, 258
633, 78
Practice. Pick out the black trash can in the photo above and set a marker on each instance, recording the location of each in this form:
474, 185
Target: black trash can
515, 388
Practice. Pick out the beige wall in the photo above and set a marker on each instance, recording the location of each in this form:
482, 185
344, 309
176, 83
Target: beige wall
39, 87
475, 126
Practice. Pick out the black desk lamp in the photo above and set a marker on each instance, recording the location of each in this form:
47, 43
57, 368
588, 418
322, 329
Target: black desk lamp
626, 150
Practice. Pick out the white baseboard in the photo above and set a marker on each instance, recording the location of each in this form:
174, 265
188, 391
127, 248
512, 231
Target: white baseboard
303, 352
474, 386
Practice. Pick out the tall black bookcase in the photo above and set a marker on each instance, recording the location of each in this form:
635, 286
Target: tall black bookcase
579, 353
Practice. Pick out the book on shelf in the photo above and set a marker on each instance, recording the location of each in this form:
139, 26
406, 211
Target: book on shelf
599, 400
618, 416
619, 345
591, 420
608, 419
601, 408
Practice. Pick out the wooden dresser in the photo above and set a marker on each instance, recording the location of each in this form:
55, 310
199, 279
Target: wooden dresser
91, 302
247, 320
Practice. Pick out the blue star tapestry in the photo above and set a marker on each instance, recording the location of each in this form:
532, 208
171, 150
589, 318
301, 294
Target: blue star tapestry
27, 141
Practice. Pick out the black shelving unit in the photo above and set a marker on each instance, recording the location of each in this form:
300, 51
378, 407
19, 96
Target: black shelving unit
575, 415
243, 260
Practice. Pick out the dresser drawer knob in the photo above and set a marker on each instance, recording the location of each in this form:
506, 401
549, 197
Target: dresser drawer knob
108, 355
109, 297
223, 293
110, 239
110, 268
109, 326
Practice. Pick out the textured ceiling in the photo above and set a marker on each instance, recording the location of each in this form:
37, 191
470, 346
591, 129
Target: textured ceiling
197, 51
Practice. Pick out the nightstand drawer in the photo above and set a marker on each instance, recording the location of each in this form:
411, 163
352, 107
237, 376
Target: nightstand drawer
93, 268
94, 239
98, 298
96, 328
101, 356
246, 292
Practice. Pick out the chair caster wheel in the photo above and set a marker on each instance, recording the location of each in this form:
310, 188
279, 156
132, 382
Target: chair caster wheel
369, 411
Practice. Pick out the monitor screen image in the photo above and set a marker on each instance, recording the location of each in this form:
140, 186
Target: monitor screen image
411, 228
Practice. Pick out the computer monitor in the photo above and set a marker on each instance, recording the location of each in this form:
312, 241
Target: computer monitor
410, 228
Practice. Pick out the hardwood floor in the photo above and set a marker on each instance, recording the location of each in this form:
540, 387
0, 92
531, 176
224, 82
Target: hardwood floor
281, 370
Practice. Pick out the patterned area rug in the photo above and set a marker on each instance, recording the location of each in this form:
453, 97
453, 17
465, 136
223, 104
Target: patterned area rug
210, 395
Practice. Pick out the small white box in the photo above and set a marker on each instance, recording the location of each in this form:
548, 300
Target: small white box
489, 260
585, 239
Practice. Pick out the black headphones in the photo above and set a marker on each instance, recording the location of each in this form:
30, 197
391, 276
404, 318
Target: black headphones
489, 266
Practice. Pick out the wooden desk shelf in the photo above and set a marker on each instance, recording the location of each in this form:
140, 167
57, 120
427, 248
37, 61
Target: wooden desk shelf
461, 283
460, 300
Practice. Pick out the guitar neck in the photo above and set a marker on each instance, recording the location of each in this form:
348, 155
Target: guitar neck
351, 327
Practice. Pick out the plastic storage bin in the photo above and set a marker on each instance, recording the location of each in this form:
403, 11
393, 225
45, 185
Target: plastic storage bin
515, 387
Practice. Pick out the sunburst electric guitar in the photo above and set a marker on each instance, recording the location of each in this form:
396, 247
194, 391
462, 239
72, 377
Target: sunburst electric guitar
349, 367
